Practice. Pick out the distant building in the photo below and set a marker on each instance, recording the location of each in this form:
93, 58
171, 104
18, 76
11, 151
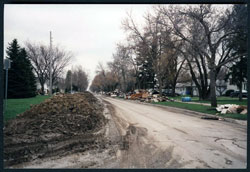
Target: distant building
222, 86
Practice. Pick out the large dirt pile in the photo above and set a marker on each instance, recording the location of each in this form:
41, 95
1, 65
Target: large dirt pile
62, 124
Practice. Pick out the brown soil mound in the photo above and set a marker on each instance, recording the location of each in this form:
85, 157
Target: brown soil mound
62, 124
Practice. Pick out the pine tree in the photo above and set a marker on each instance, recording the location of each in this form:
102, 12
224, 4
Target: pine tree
21, 80
30, 77
68, 81
238, 43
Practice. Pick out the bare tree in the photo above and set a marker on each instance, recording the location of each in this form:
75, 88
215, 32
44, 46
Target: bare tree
109, 85
60, 59
61, 84
96, 84
144, 44
80, 78
101, 73
122, 65
213, 24
154, 49
221, 85
40, 56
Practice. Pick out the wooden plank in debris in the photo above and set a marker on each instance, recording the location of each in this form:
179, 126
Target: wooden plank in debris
210, 117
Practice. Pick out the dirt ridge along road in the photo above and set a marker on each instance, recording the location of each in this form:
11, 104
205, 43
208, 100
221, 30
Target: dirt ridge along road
184, 141
109, 151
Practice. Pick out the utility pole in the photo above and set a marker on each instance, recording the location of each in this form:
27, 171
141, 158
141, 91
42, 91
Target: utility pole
50, 65
7, 64
71, 79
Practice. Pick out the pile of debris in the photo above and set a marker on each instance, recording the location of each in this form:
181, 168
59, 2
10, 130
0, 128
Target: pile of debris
145, 96
232, 108
136, 96
62, 124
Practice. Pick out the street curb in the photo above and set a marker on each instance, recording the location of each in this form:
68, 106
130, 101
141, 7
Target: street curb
193, 113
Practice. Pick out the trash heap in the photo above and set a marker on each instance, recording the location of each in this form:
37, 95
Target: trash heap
145, 96
232, 108
62, 124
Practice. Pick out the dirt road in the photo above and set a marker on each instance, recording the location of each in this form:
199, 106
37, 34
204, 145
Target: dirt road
166, 138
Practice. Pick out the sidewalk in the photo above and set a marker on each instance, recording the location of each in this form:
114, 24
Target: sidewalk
205, 104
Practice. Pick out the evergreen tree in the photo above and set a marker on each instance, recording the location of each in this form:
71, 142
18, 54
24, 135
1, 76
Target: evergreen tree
30, 77
238, 71
68, 81
146, 76
238, 43
21, 80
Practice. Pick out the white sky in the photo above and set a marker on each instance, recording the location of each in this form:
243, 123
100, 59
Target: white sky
90, 32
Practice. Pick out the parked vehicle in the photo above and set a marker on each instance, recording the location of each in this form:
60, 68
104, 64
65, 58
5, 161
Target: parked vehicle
169, 93
113, 95
237, 93
155, 92
152, 92
228, 92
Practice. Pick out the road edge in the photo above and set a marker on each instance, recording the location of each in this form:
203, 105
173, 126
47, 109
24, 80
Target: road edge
192, 113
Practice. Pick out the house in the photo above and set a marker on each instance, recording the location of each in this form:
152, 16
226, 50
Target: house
185, 88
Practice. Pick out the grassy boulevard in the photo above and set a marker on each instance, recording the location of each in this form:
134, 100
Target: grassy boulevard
17, 106
220, 100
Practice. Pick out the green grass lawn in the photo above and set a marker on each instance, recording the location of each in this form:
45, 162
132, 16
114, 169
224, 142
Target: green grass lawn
202, 109
220, 100
17, 106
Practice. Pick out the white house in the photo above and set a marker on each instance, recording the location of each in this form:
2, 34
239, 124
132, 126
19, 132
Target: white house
185, 88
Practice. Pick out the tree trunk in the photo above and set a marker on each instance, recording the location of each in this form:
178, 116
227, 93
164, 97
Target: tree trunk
240, 93
212, 88
173, 90
138, 83
160, 86
124, 81
199, 92
207, 94
191, 94
42, 88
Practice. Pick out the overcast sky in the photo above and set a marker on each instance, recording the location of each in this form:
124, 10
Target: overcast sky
90, 32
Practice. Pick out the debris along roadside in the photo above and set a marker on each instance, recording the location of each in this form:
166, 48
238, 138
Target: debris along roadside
61, 125
146, 96
232, 108
154, 96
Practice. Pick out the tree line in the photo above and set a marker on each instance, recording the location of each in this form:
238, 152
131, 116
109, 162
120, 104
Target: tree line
179, 42
76, 79
30, 65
